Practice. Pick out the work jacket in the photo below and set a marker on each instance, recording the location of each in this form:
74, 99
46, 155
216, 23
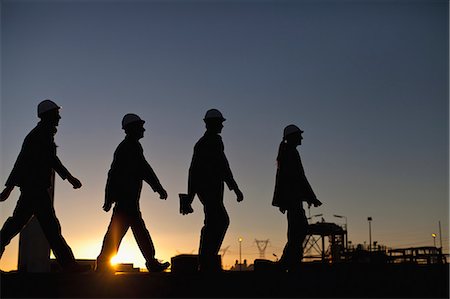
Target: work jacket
291, 185
37, 160
209, 166
128, 169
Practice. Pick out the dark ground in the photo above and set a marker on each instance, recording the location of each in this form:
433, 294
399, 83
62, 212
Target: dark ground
316, 281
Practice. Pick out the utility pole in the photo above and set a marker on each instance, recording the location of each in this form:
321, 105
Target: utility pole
370, 233
262, 245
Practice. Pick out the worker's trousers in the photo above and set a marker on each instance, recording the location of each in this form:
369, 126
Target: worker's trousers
121, 221
297, 230
36, 202
214, 228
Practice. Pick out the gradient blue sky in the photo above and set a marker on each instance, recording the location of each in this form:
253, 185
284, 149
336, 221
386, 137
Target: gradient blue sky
366, 80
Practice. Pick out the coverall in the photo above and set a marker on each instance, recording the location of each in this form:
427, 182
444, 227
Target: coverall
129, 168
208, 171
291, 189
32, 172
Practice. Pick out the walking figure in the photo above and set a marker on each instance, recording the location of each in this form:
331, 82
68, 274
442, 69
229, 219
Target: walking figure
291, 190
208, 171
32, 173
123, 188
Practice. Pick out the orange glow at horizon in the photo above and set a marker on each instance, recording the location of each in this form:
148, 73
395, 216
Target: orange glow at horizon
114, 261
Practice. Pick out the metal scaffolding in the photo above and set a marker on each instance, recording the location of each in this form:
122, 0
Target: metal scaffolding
314, 246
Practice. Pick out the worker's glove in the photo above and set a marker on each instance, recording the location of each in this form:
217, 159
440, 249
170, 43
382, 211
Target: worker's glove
162, 194
6, 192
239, 195
107, 206
76, 184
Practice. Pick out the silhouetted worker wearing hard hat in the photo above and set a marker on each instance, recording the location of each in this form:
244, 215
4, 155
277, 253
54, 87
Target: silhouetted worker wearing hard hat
32, 172
208, 171
129, 168
291, 190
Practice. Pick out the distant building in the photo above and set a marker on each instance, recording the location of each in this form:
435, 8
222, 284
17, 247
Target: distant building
121, 268
55, 267
126, 268
242, 267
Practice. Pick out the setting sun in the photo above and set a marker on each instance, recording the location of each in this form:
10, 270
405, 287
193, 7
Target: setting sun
114, 260
128, 253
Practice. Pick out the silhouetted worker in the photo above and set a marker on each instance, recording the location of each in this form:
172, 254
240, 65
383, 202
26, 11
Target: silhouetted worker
208, 171
128, 169
32, 173
291, 190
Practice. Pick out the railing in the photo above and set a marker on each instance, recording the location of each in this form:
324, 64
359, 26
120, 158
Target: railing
417, 255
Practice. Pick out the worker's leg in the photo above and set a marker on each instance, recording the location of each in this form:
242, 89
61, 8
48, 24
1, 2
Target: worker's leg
45, 213
117, 229
14, 224
145, 243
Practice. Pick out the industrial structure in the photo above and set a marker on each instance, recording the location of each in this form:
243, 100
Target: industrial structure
417, 255
316, 248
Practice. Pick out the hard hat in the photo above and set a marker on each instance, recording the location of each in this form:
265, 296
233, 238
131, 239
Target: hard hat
213, 113
46, 105
290, 130
131, 118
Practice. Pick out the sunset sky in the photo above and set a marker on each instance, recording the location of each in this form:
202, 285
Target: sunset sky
366, 80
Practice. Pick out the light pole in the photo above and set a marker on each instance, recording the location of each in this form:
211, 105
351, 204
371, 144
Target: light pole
434, 239
240, 253
370, 233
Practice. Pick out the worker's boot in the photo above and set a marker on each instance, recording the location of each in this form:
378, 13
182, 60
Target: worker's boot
155, 266
104, 267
